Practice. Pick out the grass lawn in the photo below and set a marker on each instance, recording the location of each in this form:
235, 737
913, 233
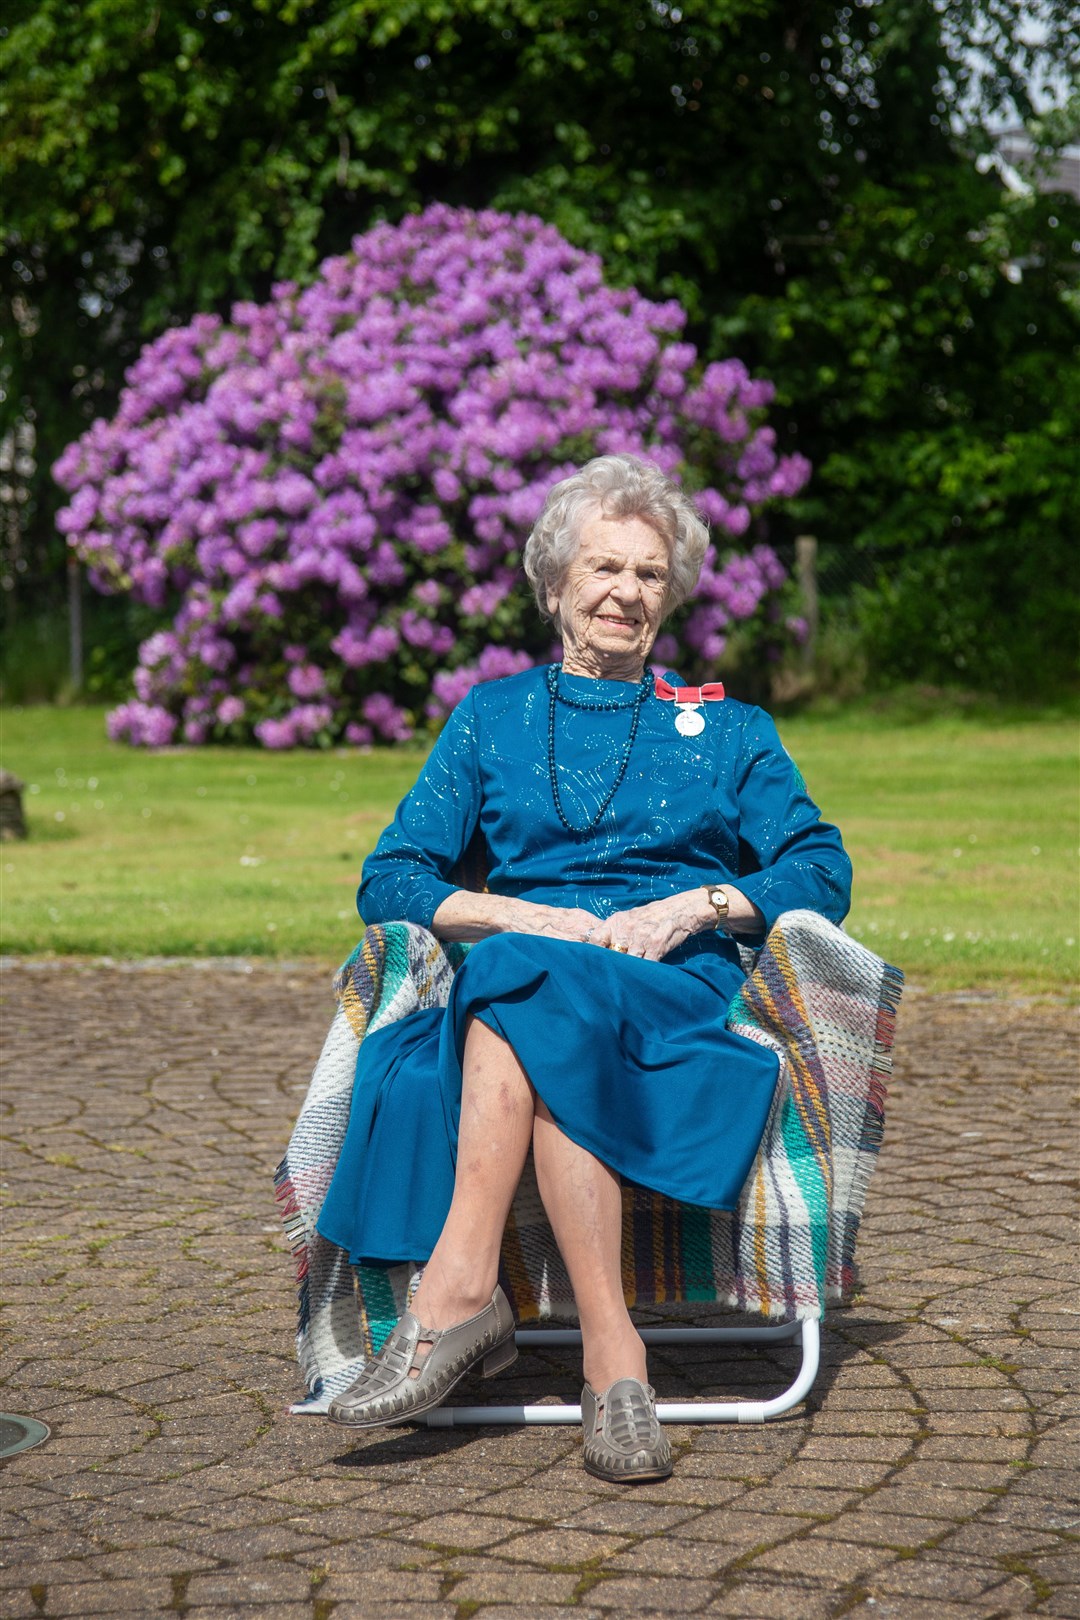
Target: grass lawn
963, 833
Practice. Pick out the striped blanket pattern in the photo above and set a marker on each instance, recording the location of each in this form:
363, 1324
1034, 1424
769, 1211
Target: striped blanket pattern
824, 1002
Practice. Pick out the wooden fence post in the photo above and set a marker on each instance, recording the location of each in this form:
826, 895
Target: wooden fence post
806, 574
75, 624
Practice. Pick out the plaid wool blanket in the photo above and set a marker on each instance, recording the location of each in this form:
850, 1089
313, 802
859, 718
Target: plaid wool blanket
824, 1002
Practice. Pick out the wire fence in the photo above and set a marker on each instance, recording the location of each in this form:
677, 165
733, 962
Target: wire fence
837, 569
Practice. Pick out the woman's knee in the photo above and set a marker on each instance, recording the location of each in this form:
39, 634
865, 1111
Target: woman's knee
490, 1063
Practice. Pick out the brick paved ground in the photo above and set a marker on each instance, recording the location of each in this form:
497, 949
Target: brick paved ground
150, 1323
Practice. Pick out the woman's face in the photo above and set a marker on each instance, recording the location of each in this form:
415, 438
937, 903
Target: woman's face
610, 601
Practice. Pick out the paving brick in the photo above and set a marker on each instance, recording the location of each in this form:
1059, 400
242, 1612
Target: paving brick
850, 1449
561, 1549
896, 1607
534, 1502
517, 1588
931, 1502
547, 1611
1063, 1604
744, 1529
774, 1601
633, 1515
18, 1604
939, 1577
673, 1555
644, 1593
381, 1586
955, 1448
979, 1539
856, 1474
1059, 1484
107, 1597
391, 1609
250, 1583
1056, 1568
807, 1502
456, 1530
842, 1561
902, 1531
247, 1611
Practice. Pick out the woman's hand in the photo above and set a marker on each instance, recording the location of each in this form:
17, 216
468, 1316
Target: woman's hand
557, 922
654, 930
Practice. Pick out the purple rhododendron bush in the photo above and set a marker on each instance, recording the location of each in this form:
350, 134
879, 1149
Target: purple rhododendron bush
327, 496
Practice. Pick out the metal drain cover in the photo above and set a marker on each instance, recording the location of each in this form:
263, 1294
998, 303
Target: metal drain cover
20, 1433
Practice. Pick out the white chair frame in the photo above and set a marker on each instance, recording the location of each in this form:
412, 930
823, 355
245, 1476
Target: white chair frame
809, 1332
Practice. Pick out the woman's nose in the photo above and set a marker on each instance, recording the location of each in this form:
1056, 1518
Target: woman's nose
627, 585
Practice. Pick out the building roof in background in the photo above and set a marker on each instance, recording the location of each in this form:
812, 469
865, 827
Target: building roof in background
1015, 151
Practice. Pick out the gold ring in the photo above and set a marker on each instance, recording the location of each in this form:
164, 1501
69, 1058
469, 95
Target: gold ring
621, 946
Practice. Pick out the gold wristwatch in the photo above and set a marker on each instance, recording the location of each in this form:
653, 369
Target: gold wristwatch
719, 902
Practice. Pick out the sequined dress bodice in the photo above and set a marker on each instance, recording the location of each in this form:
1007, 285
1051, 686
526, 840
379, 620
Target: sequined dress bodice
727, 805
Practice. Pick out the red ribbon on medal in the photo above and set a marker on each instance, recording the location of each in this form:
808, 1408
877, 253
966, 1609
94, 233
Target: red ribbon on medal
711, 692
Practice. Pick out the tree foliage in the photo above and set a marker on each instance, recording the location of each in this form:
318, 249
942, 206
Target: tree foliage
797, 173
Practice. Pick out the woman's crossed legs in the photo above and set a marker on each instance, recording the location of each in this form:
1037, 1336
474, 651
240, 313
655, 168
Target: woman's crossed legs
500, 1115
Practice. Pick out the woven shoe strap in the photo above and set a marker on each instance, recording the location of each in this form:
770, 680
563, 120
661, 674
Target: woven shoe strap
393, 1362
628, 1419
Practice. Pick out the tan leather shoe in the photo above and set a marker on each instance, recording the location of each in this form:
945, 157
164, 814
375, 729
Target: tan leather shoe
385, 1391
623, 1440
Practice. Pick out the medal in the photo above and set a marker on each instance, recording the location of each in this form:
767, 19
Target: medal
688, 722
687, 701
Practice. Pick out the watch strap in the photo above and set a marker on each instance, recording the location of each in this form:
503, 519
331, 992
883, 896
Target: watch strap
719, 902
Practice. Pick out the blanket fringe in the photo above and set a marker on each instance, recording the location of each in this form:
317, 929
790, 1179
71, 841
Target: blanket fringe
296, 1235
873, 1128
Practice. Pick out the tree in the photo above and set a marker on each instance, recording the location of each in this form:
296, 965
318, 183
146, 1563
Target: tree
776, 165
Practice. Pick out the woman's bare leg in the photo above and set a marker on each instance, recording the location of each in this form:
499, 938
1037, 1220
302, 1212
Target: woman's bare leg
583, 1200
500, 1112
497, 1103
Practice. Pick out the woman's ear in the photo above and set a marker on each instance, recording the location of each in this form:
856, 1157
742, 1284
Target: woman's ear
552, 599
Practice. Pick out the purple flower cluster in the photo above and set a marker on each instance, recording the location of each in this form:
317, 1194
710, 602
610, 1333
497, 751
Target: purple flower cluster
728, 593
329, 493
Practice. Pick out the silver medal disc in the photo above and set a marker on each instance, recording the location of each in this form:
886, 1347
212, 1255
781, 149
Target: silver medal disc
688, 722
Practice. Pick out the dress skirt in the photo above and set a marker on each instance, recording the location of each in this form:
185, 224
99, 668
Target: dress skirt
632, 1059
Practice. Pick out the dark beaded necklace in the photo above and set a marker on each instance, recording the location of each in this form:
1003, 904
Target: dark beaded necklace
606, 705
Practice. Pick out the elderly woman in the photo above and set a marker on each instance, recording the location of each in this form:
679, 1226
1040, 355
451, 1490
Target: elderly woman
634, 831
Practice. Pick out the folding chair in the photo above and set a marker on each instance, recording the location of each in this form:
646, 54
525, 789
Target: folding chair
820, 999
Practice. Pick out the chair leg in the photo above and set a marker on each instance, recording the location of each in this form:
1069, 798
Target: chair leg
809, 1333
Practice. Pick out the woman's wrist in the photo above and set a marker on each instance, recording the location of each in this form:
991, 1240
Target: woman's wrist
725, 908
466, 916
705, 913
743, 916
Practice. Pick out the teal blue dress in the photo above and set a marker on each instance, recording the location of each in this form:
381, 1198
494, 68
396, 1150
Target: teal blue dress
631, 1057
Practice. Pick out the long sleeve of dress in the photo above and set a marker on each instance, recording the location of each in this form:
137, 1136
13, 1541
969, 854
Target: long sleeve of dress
790, 859
406, 877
